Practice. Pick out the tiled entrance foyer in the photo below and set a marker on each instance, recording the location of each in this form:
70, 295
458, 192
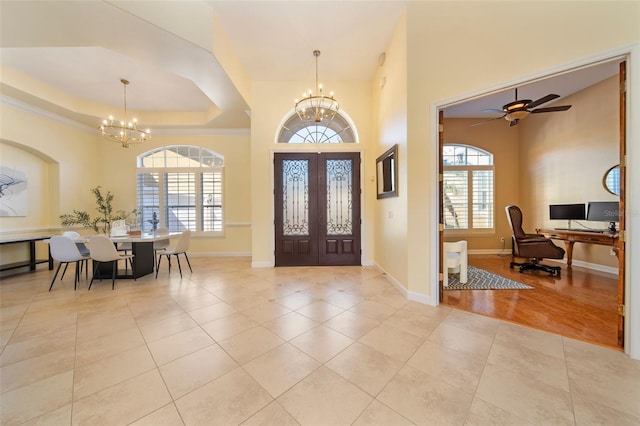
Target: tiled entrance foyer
233, 345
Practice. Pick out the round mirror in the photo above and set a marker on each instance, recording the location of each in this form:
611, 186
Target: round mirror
611, 180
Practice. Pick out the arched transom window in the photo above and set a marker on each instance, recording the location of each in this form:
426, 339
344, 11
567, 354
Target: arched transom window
468, 187
339, 130
180, 187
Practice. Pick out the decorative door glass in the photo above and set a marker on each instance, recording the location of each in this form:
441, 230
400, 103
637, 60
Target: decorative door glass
295, 197
339, 197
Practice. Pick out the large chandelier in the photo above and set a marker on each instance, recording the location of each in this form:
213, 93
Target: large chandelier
318, 107
124, 132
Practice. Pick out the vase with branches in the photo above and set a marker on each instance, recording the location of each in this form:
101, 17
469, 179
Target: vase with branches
106, 215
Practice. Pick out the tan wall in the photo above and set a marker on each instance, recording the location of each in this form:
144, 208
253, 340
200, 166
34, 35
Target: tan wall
500, 140
460, 47
564, 156
557, 158
234, 146
391, 116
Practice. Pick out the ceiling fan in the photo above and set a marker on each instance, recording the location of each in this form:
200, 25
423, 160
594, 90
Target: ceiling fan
514, 111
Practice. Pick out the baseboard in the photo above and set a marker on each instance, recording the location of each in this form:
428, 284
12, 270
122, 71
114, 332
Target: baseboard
490, 251
580, 263
262, 264
410, 295
593, 266
220, 254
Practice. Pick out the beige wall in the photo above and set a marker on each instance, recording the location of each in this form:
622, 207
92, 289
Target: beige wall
71, 159
500, 140
67, 162
564, 156
272, 103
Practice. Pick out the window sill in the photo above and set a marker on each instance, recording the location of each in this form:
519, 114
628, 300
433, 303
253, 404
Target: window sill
470, 232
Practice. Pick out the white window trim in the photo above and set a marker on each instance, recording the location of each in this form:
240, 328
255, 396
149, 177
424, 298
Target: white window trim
470, 168
198, 172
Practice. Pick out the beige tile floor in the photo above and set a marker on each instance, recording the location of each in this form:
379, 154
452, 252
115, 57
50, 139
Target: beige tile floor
231, 345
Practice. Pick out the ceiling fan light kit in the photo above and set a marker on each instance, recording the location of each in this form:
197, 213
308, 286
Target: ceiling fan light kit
514, 111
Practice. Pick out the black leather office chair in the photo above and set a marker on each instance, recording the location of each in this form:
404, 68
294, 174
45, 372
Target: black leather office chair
532, 246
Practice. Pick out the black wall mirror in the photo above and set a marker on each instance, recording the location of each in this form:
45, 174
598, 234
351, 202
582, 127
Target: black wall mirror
611, 180
387, 173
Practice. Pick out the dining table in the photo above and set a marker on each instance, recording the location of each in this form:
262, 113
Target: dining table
141, 248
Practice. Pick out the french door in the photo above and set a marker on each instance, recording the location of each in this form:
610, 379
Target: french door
317, 209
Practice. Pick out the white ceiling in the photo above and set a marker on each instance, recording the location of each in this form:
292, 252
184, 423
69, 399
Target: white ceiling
83, 48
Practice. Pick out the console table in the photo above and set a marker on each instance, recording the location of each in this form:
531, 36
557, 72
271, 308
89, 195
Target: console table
33, 261
570, 237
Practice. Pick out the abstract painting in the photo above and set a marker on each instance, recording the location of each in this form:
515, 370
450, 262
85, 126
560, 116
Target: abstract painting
13, 192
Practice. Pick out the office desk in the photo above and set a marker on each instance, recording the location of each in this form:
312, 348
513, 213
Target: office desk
570, 237
141, 247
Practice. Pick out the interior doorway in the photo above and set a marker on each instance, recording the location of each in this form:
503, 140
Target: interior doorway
614, 312
317, 209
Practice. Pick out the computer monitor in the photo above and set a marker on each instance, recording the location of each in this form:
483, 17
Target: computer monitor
567, 212
604, 211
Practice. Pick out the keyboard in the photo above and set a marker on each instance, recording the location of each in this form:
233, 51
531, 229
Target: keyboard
595, 231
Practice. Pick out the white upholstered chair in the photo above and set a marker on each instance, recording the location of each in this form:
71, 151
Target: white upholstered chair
103, 251
84, 250
455, 261
64, 250
74, 236
181, 248
160, 245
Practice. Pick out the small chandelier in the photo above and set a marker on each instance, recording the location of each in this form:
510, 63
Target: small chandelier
318, 107
126, 133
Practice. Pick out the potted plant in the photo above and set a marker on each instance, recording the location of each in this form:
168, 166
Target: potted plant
106, 215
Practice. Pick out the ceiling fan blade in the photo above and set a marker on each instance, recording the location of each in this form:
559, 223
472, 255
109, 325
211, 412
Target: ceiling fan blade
551, 109
542, 100
485, 121
501, 111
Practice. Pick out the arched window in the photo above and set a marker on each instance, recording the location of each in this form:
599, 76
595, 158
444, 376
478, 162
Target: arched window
339, 130
182, 186
468, 187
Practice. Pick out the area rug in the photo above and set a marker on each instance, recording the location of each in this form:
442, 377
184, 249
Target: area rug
479, 279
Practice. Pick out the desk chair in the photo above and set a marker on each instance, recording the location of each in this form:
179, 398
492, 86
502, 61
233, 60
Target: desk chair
455, 261
532, 246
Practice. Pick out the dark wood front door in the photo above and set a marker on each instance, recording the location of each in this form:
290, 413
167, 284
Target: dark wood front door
317, 209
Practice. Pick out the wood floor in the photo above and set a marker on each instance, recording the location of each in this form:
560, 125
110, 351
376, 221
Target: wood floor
580, 304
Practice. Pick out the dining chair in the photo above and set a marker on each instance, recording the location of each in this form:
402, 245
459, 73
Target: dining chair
160, 245
455, 260
65, 251
84, 250
181, 248
103, 251
74, 236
